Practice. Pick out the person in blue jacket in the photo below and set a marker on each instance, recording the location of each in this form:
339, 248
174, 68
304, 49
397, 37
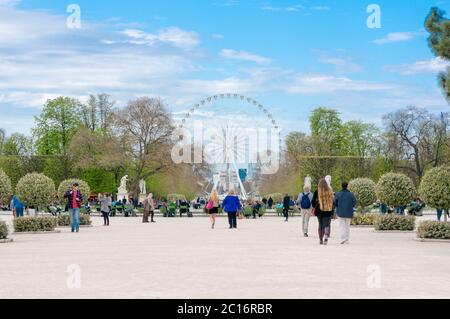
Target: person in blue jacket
17, 206
231, 205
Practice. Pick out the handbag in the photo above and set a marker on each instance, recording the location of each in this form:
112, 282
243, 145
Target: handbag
240, 215
210, 205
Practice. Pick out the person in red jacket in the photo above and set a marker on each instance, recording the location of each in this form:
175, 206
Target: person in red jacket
74, 200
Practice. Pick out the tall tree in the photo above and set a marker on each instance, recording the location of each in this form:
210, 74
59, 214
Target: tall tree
361, 139
18, 145
327, 131
145, 129
439, 41
96, 113
418, 138
55, 127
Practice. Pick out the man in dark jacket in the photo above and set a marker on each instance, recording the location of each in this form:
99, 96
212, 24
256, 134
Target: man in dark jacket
345, 203
74, 200
286, 206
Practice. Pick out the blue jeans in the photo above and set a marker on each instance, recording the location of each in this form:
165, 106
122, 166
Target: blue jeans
74, 218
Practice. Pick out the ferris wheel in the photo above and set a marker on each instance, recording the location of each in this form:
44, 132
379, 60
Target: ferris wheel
228, 119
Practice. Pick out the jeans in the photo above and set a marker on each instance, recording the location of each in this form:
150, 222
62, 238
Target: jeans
232, 219
105, 218
344, 224
306, 215
74, 218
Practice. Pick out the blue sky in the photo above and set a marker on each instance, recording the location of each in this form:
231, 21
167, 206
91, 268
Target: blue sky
291, 56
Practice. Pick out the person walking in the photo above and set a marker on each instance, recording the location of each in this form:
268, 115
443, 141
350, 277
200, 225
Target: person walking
286, 207
323, 204
305, 202
213, 207
345, 203
149, 209
74, 200
105, 207
17, 207
231, 205
256, 208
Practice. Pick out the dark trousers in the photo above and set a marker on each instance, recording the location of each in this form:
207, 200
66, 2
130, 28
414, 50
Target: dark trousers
286, 212
232, 219
324, 226
105, 218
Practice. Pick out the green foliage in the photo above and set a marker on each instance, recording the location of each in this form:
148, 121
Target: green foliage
433, 230
326, 131
56, 125
395, 189
67, 185
101, 181
64, 220
435, 188
364, 219
3, 230
394, 222
5, 188
364, 191
36, 190
35, 224
17, 145
439, 41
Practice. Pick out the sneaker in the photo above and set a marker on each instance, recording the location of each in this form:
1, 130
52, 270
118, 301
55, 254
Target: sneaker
325, 242
344, 242
306, 235
321, 242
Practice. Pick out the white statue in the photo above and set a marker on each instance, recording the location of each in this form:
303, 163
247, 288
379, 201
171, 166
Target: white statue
143, 187
328, 179
123, 185
308, 183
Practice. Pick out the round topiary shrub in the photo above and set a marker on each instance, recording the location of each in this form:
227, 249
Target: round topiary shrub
5, 188
3, 230
435, 188
36, 190
395, 189
364, 191
67, 185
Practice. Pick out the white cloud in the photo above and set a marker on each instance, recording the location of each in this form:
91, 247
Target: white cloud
292, 8
432, 66
172, 35
396, 37
217, 36
244, 56
312, 84
9, 3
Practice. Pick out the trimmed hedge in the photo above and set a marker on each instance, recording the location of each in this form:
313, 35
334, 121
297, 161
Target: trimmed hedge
5, 188
262, 212
35, 224
3, 230
248, 211
64, 220
67, 185
433, 230
364, 219
395, 222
